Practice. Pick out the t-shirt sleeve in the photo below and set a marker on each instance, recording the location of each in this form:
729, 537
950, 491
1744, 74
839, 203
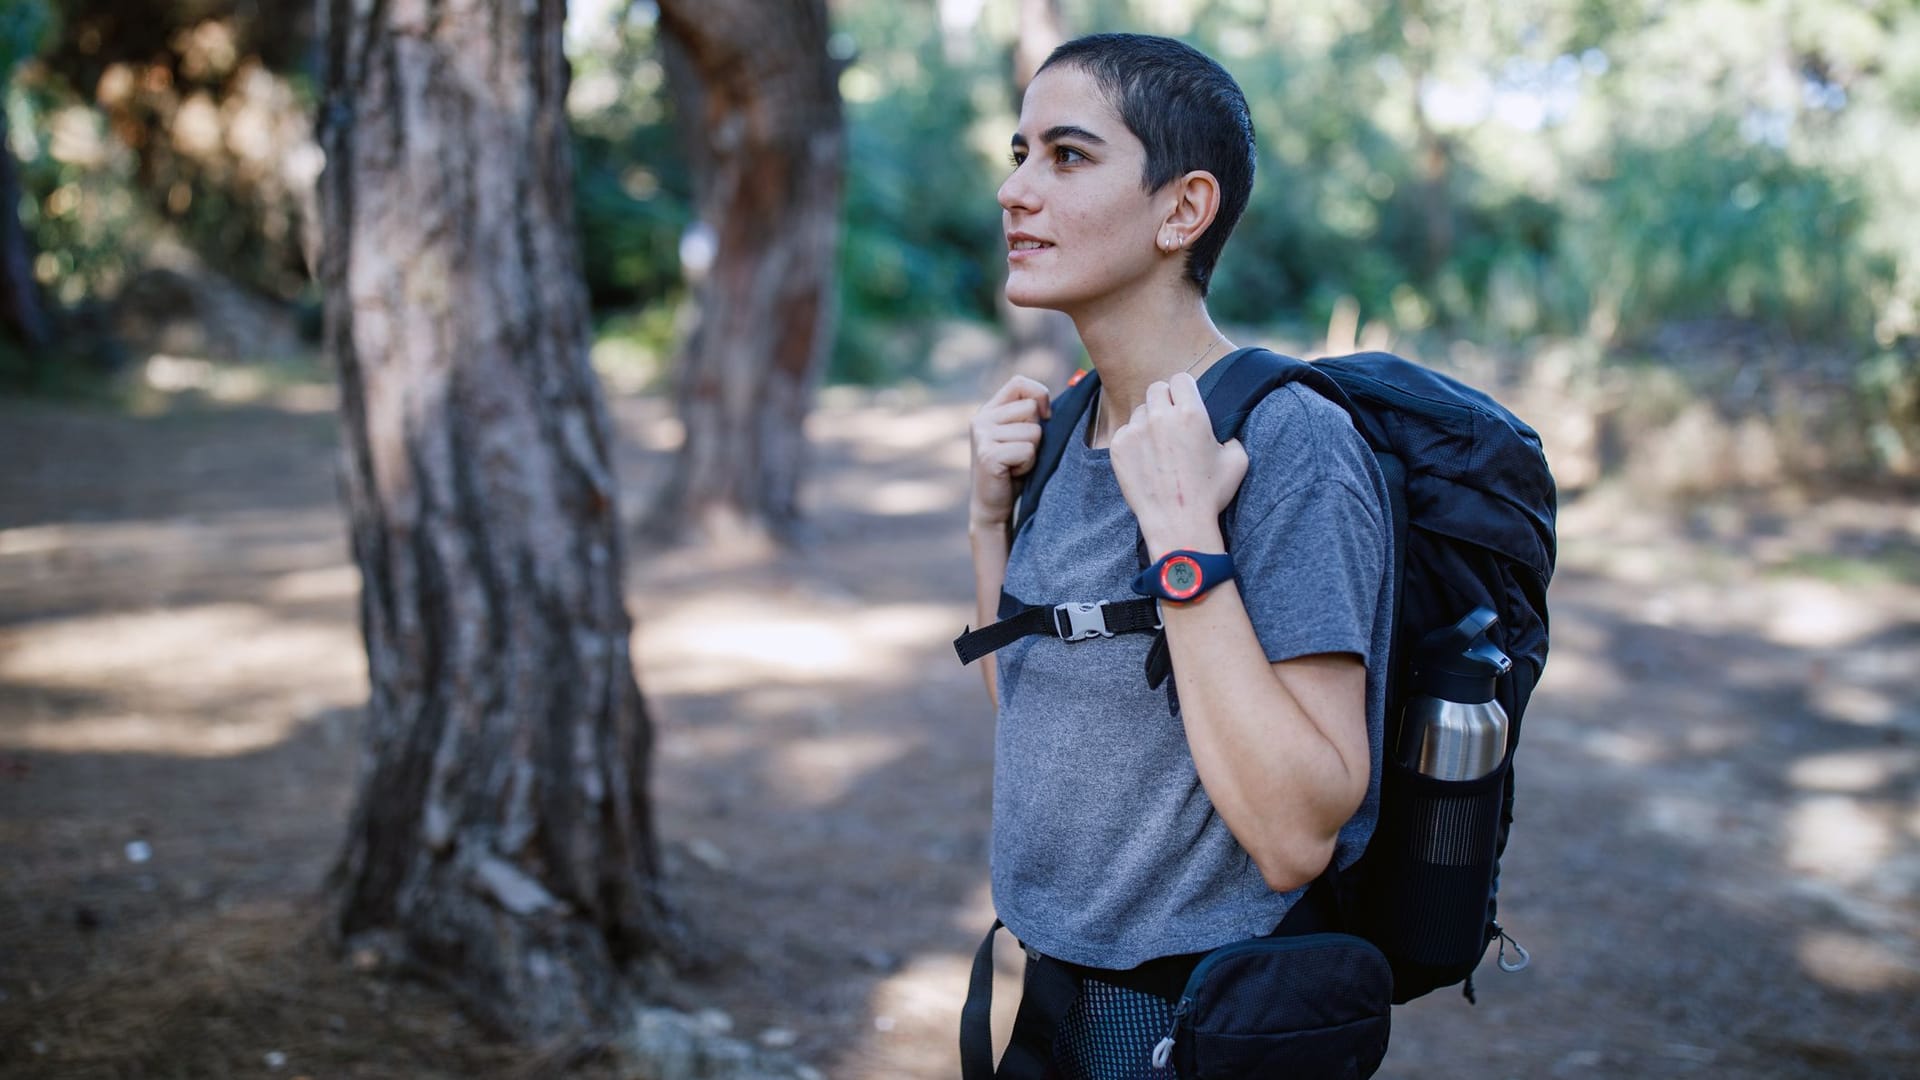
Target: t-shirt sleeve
1310, 550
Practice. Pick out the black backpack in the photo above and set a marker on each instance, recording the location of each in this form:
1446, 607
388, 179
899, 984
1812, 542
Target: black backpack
1472, 506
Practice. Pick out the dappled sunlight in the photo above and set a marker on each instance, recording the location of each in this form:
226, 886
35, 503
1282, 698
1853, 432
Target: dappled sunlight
916, 1010
143, 733
340, 582
288, 536
885, 431
906, 497
1624, 748
208, 681
696, 744
1864, 706
33, 540
819, 771
1692, 818
1856, 962
649, 421
975, 913
1838, 838
1754, 718
1853, 771
731, 641
1817, 615
165, 561
915, 1015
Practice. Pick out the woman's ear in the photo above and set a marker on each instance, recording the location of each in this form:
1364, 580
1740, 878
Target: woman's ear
1196, 199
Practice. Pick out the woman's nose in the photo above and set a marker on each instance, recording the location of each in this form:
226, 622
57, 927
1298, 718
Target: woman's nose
1015, 192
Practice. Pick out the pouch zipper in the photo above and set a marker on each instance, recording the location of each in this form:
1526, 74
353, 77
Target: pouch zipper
1163, 1050
1506, 939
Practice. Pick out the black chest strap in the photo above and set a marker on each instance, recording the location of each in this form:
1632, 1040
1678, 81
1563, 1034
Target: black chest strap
1077, 621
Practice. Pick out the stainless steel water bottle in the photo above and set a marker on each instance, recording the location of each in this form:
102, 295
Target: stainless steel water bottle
1453, 728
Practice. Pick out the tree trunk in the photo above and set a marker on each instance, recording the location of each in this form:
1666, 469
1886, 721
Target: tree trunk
502, 842
1432, 156
759, 103
21, 312
1042, 30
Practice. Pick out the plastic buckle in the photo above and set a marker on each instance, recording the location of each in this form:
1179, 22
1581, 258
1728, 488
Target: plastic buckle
1083, 620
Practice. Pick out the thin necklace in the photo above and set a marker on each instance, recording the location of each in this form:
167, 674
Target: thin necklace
1095, 419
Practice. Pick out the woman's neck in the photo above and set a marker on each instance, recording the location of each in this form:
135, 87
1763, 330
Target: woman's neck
1143, 343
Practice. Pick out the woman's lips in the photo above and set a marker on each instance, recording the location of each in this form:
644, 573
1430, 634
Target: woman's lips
1021, 248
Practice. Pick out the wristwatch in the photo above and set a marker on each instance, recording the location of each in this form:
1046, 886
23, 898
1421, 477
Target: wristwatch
1182, 574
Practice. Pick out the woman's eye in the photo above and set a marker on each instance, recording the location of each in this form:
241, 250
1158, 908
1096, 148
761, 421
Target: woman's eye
1016, 158
1067, 155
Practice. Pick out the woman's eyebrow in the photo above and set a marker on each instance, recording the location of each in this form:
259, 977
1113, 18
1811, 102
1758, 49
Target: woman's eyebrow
1061, 131
1068, 131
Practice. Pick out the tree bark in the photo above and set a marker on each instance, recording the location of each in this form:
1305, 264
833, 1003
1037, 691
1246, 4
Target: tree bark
759, 104
21, 312
502, 842
1432, 154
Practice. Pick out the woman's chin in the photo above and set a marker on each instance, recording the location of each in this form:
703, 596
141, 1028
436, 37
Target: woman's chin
1029, 294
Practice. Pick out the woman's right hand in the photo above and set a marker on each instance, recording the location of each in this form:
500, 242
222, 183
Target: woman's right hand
1006, 438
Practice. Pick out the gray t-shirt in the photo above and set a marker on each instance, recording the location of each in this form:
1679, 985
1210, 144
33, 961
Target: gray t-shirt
1106, 850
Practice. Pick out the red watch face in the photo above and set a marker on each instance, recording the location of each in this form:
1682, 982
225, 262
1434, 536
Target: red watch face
1180, 577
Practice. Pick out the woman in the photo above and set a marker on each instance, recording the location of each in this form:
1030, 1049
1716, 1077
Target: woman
1129, 826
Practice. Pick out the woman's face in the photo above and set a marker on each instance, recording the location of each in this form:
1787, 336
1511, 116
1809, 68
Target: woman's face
1080, 227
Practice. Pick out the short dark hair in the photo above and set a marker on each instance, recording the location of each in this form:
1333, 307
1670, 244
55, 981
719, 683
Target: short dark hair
1189, 114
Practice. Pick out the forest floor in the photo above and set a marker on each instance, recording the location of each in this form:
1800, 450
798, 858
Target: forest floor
1715, 868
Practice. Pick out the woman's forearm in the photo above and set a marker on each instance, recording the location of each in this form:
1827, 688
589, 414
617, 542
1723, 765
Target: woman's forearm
1280, 748
990, 548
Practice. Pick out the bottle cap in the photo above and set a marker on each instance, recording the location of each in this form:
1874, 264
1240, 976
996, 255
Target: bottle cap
1459, 663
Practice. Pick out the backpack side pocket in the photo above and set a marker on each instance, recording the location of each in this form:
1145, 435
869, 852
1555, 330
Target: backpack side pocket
1436, 844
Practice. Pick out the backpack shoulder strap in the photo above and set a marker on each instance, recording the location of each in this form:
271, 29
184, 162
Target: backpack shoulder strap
1060, 426
1232, 388
1238, 384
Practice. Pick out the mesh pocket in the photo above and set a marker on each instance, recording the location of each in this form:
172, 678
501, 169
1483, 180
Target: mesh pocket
1431, 865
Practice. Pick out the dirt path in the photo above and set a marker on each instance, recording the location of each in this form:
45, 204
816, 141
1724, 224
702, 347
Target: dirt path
1716, 865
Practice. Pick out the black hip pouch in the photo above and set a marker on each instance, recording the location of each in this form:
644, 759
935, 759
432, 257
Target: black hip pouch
1310, 1005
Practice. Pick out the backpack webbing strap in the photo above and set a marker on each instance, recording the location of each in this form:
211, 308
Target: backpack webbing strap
1394, 472
1068, 622
1050, 990
1059, 427
1252, 375
1232, 389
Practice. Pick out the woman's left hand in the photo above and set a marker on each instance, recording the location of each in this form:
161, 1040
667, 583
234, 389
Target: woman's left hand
1175, 477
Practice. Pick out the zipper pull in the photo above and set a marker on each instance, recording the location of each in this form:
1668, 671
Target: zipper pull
1510, 965
1163, 1050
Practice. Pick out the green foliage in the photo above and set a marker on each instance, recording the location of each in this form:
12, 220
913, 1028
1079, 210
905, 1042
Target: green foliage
1597, 167
24, 29
633, 196
1889, 386
79, 202
633, 349
918, 237
1475, 168
920, 228
1725, 228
